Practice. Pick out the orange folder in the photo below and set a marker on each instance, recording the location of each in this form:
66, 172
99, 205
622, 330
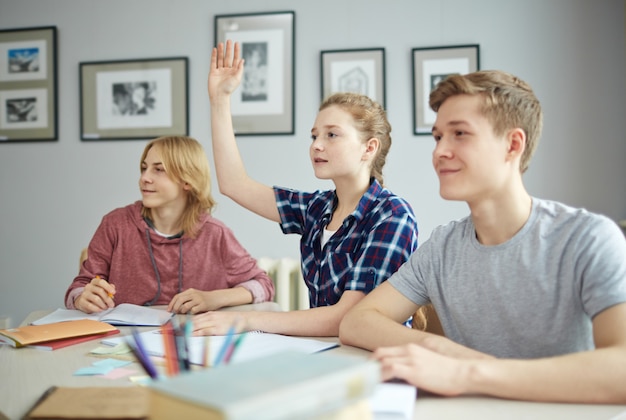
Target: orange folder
33, 334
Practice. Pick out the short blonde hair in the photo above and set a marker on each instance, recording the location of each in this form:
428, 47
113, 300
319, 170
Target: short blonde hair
508, 102
186, 162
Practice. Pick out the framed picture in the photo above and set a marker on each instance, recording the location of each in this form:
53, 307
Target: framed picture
28, 84
430, 66
134, 99
264, 102
361, 71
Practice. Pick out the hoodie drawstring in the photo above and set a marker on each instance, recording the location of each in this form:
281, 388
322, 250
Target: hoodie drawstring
156, 270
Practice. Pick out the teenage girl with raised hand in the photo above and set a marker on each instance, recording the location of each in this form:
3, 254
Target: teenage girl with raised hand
352, 238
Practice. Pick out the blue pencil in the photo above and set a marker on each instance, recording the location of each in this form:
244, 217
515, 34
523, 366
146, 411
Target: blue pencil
233, 348
225, 345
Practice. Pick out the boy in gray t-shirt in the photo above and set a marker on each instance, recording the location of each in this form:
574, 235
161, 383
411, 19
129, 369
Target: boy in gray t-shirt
531, 293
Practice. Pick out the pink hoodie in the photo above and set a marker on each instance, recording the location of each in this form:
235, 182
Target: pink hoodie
132, 256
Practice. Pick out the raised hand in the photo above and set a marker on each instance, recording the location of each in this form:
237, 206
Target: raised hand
226, 69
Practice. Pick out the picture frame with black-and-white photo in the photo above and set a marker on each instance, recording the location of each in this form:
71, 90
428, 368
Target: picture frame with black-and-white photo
264, 102
430, 66
28, 84
134, 99
357, 70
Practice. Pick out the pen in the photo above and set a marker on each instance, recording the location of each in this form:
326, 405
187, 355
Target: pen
108, 293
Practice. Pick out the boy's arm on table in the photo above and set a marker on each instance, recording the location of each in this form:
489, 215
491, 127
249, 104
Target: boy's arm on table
438, 365
378, 321
595, 376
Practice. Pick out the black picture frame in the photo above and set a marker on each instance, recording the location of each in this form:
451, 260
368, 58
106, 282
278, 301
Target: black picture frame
430, 65
28, 84
264, 104
354, 70
134, 99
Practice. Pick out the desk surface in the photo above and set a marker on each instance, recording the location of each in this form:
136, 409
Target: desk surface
26, 373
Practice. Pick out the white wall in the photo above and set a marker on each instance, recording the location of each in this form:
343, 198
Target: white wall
53, 195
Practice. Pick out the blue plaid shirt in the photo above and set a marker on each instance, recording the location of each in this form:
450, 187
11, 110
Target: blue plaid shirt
371, 244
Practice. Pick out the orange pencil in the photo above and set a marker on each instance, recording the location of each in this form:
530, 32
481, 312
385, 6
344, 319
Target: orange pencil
171, 361
110, 294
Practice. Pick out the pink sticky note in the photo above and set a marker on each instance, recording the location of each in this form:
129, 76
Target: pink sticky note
119, 373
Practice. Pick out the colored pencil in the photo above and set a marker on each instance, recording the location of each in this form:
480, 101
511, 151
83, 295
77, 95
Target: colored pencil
225, 345
169, 349
206, 352
137, 347
234, 347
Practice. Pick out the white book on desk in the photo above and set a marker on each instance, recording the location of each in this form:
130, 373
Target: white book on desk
285, 385
256, 344
122, 314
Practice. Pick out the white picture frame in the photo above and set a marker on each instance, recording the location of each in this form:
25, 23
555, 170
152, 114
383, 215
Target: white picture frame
264, 102
134, 99
28, 84
357, 70
431, 65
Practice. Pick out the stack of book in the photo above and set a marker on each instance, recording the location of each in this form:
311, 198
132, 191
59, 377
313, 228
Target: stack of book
56, 335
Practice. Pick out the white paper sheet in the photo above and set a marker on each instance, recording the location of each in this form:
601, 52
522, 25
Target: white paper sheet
253, 345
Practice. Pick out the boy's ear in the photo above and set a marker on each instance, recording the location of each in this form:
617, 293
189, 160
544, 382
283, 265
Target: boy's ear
517, 141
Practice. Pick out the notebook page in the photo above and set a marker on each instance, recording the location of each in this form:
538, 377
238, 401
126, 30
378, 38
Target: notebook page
254, 344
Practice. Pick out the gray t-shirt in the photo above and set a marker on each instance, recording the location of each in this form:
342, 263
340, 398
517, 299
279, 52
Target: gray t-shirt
532, 296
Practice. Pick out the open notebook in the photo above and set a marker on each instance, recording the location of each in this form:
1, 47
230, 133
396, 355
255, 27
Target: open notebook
122, 314
254, 345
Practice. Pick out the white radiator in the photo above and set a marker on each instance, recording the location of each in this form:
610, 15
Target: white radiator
291, 292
